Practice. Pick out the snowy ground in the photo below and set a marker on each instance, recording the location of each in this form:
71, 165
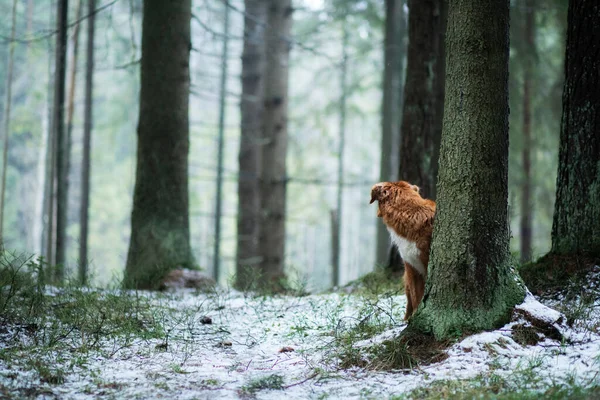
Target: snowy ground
292, 345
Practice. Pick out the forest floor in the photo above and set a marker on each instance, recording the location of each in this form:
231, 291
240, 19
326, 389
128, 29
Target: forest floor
73, 343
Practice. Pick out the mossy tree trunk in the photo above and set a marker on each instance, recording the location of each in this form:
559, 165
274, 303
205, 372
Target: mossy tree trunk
248, 221
273, 174
471, 285
576, 224
160, 237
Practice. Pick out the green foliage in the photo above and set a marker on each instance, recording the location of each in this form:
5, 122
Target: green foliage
522, 384
42, 320
269, 382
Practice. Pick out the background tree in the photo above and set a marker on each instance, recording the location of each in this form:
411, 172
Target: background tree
275, 124
87, 138
575, 229
423, 104
248, 221
6, 119
471, 285
160, 234
60, 138
393, 78
527, 57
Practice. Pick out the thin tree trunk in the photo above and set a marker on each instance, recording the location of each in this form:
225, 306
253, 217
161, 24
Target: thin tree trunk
471, 285
342, 138
274, 175
393, 75
222, 108
526, 206
160, 231
87, 139
249, 159
576, 227
7, 107
61, 138
48, 222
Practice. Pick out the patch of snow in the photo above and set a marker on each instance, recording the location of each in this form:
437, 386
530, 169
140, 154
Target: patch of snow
247, 334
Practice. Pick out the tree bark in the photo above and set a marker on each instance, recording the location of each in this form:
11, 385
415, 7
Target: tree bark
423, 95
274, 175
337, 248
249, 159
526, 206
220, 145
6, 118
393, 75
423, 106
576, 227
87, 139
160, 234
61, 138
471, 285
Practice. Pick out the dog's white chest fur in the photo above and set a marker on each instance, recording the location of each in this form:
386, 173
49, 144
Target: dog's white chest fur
408, 250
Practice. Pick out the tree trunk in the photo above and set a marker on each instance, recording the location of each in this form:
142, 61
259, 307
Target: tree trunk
60, 138
341, 144
6, 117
220, 145
423, 106
576, 227
526, 206
47, 239
160, 234
423, 94
471, 285
393, 75
249, 159
274, 175
87, 137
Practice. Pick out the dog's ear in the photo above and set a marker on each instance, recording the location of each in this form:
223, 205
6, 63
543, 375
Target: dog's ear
416, 188
379, 192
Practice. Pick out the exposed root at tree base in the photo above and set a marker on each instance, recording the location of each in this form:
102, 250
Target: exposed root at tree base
409, 350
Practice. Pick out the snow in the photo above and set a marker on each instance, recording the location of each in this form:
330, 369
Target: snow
248, 332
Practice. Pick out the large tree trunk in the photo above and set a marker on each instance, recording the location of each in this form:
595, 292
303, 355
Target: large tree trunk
576, 225
248, 222
160, 234
471, 285
423, 106
61, 139
526, 207
274, 175
6, 118
87, 137
393, 75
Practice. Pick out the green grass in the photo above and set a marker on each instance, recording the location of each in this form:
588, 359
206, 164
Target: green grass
44, 328
270, 382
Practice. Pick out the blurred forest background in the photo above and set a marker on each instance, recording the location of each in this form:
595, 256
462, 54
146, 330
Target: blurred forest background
336, 82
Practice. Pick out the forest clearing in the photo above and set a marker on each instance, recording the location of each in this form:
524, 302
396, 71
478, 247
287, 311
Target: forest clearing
229, 344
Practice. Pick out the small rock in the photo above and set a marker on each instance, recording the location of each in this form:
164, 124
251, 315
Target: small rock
162, 346
206, 320
286, 349
224, 343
